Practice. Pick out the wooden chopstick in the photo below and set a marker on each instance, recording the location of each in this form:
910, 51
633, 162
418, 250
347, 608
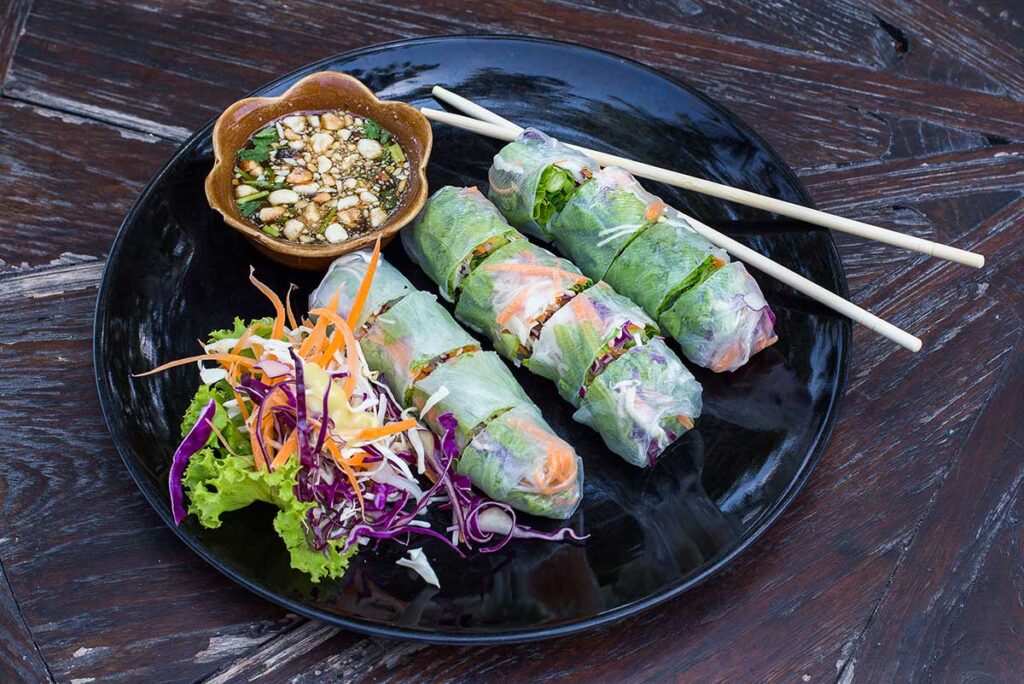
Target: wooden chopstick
752, 199
742, 252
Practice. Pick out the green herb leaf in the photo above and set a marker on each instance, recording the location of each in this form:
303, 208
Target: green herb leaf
374, 131
272, 230
249, 208
258, 153
269, 133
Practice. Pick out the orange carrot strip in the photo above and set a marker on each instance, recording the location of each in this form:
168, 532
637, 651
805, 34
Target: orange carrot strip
654, 210
275, 300
530, 269
513, 306
257, 455
241, 341
392, 428
319, 329
340, 460
288, 306
584, 310
561, 466
351, 355
223, 358
364, 287
287, 449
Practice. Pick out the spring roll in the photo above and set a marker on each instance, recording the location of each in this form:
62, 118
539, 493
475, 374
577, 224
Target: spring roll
585, 335
601, 218
664, 261
474, 387
533, 177
456, 230
344, 277
407, 341
513, 291
643, 402
723, 321
516, 458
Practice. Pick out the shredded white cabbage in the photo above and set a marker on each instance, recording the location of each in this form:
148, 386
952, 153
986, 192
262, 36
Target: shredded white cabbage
418, 563
433, 399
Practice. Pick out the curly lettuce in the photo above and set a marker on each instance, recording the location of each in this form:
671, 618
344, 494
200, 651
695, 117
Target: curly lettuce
222, 477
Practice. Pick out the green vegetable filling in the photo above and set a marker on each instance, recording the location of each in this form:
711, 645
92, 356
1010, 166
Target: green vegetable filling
555, 188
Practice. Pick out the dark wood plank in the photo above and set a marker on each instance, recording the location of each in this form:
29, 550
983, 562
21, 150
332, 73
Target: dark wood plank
20, 660
106, 589
68, 183
956, 32
225, 59
956, 604
13, 15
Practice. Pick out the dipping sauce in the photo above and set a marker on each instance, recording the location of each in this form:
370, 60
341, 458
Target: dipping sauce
320, 177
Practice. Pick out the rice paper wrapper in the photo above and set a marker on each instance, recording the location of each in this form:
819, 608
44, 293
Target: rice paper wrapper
589, 326
513, 290
602, 217
642, 402
457, 227
479, 387
532, 177
518, 459
664, 260
346, 274
723, 321
406, 340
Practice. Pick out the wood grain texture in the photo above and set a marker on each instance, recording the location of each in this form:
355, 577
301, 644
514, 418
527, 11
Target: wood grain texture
68, 182
13, 15
900, 560
20, 660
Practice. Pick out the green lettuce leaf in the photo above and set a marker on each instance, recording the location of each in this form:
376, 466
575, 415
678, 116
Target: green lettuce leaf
330, 563
218, 481
263, 328
555, 188
220, 392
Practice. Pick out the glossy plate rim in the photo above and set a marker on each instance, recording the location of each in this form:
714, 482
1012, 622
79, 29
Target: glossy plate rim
713, 568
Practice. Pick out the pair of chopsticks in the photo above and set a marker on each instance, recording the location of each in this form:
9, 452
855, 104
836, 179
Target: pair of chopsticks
487, 123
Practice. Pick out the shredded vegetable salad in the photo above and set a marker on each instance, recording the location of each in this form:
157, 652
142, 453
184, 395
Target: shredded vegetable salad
289, 413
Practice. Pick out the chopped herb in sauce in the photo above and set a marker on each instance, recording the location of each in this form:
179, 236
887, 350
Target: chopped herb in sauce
321, 177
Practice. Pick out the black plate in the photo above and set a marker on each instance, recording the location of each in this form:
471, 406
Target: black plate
175, 272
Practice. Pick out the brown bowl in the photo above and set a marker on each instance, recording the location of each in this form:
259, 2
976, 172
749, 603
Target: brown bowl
317, 92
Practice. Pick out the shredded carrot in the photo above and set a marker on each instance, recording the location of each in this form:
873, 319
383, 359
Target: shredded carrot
364, 287
560, 467
685, 421
242, 339
654, 210
257, 453
287, 449
584, 310
275, 300
222, 358
340, 460
384, 430
528, 269
352, 355
288, 306
718, 262
319, 330
721, 364
515, 305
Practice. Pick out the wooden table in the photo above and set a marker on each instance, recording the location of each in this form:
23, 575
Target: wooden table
900, 560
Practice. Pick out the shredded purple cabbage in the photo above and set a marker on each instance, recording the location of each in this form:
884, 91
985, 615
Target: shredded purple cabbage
193, 442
